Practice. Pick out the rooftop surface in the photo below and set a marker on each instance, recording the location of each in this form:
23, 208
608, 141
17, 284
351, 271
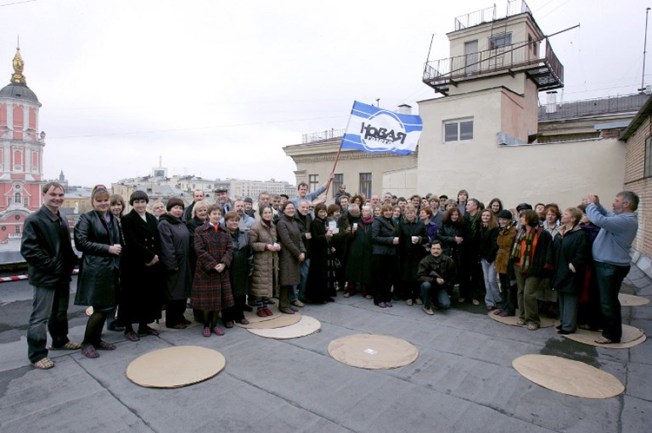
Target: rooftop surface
462, 380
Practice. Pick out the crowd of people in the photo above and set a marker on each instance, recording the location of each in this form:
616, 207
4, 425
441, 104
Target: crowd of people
232, 256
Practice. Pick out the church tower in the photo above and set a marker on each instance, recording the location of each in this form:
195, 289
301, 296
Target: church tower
21, 153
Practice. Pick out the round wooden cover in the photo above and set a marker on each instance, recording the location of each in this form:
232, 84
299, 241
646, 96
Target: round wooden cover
632, 300
254, 318
175, 367
306, 326
546, 322
567, 376
631, 337
276, 321
372, 351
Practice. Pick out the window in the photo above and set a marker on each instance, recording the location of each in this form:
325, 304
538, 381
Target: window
365, 185
471, 57
17, 198
338, 180
458, 130
534, 46
500, 41
313, 182
648, 158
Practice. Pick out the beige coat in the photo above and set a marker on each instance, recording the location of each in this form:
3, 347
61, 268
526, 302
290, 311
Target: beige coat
265, 261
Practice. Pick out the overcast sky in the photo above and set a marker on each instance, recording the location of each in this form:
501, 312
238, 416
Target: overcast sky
217, 88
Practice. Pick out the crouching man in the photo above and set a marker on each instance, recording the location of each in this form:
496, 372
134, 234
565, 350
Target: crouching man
437, 275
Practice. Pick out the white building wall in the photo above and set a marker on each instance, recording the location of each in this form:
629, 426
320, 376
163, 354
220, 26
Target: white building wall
401, 183
561, 173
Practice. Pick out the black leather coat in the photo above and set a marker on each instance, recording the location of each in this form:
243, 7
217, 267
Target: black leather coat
47, 249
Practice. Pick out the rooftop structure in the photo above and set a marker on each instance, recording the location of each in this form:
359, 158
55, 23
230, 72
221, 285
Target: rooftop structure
486, 44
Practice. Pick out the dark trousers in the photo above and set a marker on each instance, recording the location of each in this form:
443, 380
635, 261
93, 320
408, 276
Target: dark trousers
508, 294
609, 278
49, 310
236, 312
411, 290
471, 279
588, 313
382, 268
174, 310
568, 303
284, 296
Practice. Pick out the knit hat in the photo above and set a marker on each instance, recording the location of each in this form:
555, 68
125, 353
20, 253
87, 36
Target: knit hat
505, 214
175, 201
248, 200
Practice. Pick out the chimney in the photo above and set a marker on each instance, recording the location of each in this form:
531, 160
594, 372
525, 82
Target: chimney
404, 109
551, 103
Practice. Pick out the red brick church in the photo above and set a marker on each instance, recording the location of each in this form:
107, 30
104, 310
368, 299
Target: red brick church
21, 154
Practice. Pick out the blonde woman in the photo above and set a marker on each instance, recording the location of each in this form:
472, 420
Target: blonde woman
98, 238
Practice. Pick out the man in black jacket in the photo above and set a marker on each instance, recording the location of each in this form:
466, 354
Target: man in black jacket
437, 275
50, 260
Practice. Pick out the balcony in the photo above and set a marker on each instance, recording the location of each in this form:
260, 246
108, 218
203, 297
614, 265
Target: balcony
546, 71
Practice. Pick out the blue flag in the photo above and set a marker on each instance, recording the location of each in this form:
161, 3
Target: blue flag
373, 129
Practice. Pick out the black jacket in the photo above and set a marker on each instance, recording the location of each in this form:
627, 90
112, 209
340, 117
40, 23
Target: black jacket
98, 271
47, 249
383, 233
488, 243
572, 247
431, 267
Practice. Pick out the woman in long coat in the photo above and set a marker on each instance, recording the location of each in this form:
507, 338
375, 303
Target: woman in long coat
211, 287
292, 254
358, 263
317, 290
239, 271
175, 258
412, 237
384, 242
571, 256
140, 269
264, 279
97, 237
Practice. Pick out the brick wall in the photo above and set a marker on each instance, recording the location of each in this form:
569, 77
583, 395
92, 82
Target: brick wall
635, 181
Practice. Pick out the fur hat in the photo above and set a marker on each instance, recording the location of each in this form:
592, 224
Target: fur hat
175, 201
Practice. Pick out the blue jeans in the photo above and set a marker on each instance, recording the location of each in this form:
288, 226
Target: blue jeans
300, 291
49, 308
609, 278
492, 296
442, 300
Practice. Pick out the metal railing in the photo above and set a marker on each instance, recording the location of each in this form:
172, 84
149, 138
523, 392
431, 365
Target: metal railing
514, 7
594, 107
322, 135
508, 57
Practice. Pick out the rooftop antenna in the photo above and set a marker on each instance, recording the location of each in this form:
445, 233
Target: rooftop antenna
647, 10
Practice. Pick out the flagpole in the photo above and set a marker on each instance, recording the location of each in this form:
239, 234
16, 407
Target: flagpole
339, 151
